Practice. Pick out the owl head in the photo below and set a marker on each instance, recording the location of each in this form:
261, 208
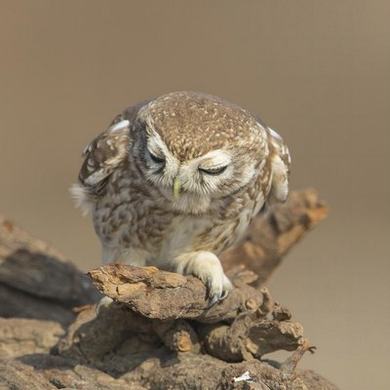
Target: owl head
196, 149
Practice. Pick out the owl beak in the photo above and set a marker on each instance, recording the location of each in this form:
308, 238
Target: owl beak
176, 188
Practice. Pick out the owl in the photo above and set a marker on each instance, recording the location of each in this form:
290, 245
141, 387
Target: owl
176, 180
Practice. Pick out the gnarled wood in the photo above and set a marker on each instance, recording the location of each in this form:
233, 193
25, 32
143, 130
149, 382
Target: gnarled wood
248, 323
167, 295
34, 267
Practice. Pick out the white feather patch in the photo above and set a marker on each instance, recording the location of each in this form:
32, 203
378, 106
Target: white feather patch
119, 126
81, 198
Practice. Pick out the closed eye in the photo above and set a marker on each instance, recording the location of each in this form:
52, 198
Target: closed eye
213, 171
156, 159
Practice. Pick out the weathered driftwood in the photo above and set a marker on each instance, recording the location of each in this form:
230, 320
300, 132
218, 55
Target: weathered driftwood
246, 324
16, 303
184, 371
166, 295
122, 344
34, 267
20, 336
160, 333
37, 281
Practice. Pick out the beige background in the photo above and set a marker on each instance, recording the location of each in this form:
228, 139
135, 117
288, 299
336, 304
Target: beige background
318, 71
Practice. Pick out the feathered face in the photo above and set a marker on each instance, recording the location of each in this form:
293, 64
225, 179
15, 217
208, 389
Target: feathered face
216, 174
188, 172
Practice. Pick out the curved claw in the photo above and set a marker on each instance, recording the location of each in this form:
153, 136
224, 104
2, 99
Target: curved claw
225, 293
207, 267
213, 299
218, 296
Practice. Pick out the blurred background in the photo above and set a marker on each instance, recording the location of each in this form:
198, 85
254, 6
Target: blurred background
317, 71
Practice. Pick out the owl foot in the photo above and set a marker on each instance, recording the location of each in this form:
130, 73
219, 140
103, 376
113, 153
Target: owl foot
214, 294
207, 267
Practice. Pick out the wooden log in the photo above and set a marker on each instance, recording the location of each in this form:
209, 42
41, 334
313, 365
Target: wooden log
34, 267
19, 337
166, 296
18, 304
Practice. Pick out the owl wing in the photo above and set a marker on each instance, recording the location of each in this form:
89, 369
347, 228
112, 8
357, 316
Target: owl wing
280, 164
103, 155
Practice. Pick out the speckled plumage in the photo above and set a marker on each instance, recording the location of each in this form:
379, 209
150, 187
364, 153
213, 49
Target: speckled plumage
224, 161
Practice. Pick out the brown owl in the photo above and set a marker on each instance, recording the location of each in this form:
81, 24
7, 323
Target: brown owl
176, 180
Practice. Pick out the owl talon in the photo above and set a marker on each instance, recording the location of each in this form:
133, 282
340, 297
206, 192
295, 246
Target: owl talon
212, 301
215, 297
224, 295
227, 287
207, 267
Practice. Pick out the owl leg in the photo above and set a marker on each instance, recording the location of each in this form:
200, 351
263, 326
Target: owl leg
207, 267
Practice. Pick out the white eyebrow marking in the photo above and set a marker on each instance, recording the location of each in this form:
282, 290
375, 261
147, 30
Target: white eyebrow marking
214, 158
119, 126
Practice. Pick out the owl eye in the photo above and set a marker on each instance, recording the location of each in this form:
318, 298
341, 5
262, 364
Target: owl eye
157, 160
213, 171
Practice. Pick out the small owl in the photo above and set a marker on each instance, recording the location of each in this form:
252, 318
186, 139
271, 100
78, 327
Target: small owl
174, 181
